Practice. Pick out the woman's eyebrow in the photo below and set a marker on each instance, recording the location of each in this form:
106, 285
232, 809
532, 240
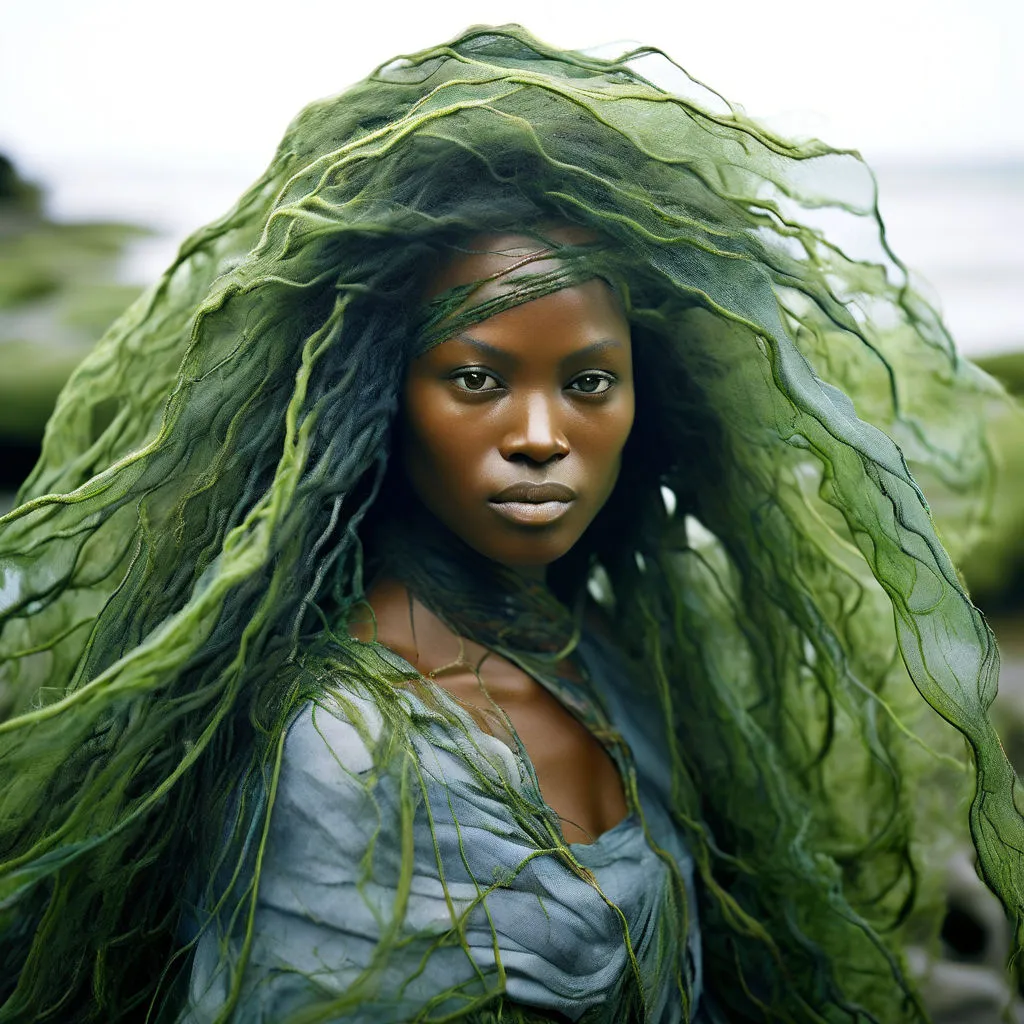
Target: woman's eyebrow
592, 350
496, 353
492, 351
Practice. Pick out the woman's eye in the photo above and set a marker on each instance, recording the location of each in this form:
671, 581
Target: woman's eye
591, 383
475, 380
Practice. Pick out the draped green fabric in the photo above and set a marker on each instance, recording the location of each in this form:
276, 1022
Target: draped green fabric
192, 539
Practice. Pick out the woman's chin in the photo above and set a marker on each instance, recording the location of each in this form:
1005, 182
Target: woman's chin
532, 555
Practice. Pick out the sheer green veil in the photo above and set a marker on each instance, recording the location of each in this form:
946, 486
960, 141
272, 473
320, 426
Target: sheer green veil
787, 583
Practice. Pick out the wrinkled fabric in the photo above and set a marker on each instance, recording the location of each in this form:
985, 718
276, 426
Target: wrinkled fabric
562, 937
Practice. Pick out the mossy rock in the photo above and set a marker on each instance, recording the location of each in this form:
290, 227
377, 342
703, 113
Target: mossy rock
995, 569
58, 293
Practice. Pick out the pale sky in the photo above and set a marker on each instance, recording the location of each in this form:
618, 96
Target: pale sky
216, 81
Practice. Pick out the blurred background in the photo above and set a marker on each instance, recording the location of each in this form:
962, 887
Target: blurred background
125, 126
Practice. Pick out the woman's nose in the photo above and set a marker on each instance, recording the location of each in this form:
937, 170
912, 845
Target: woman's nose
534, 433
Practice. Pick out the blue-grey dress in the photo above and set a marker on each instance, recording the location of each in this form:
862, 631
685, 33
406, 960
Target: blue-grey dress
482, 900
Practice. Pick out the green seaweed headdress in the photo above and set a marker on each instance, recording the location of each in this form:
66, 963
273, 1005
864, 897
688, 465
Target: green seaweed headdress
194, 523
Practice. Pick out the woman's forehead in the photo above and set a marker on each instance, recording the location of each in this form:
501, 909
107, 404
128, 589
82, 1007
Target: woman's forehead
543, 333
500, 255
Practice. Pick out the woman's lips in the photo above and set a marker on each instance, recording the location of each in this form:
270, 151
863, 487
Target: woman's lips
533, 504
531, 513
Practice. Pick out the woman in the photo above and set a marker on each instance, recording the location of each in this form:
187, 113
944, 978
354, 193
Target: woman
310, 714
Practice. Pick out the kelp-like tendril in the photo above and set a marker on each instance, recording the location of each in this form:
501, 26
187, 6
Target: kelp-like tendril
192, 531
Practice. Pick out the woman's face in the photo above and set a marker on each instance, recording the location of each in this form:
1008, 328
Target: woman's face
512, 432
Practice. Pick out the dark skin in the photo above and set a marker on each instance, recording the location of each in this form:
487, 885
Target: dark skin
512, 435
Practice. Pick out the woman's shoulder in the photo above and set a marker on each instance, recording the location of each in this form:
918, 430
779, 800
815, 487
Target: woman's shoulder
351, 701
334, 730
366, 689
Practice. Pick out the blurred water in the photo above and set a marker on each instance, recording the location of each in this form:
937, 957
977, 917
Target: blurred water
174, 200
962, 229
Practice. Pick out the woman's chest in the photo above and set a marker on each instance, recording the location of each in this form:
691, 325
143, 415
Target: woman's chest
576, 776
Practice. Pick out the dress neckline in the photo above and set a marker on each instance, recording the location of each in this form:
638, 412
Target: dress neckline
574, 696
629, 824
